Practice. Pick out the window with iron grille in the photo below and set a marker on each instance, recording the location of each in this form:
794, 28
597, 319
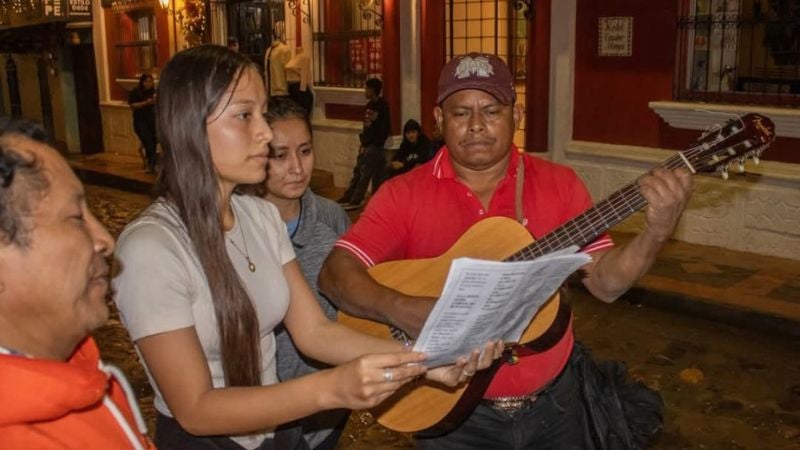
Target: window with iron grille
491, 26
347, 42
739, 51
249, 21
136, 42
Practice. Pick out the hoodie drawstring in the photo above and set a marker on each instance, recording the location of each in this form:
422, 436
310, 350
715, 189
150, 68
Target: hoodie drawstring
132, 436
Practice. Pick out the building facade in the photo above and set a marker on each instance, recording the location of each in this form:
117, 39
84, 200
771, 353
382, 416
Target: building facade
611, 88
47, 69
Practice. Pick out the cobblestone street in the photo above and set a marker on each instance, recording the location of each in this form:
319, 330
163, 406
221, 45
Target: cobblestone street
723, 387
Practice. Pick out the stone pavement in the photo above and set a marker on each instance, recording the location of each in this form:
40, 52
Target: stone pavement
743, 289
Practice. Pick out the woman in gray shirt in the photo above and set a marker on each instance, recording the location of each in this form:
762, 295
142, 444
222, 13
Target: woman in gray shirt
314, 223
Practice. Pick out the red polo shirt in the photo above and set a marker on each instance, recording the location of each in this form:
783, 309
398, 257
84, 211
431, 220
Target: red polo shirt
423, 213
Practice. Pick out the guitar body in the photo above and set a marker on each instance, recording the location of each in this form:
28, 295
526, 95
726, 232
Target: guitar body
423, 405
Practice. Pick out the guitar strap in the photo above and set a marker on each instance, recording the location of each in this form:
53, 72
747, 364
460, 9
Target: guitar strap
518, 190
550, 337
561, 322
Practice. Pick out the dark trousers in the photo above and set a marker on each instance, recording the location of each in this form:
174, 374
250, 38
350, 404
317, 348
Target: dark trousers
369, 167
335, 420
171, 436
146, 132
556, 421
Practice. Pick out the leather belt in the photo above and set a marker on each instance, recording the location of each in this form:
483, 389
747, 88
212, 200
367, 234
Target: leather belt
511, 404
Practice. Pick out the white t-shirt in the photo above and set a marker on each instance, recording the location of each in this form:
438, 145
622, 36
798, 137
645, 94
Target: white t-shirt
160, 285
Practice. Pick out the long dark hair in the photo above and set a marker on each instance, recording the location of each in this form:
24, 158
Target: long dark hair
193, 83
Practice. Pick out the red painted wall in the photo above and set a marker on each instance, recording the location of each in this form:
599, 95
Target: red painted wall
116, 91
537, 99
612, 93
432, 38
391, 60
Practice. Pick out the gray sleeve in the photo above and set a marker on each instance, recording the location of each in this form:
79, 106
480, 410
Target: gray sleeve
332, 215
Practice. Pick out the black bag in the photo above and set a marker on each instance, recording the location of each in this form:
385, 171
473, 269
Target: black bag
621, 415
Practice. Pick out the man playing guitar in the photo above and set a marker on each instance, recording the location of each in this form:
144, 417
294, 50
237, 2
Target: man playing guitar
532, 402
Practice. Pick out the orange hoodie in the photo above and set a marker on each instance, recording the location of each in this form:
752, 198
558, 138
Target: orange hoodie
78, 404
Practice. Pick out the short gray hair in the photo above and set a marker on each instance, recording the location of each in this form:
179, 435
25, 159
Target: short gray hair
21, 179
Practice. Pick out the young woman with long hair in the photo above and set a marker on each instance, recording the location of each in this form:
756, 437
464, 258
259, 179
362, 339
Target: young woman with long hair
204, 276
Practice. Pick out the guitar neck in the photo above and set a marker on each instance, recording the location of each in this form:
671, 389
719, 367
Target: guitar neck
585, 228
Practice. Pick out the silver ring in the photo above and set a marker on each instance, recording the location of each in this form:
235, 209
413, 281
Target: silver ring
467, 374
387, 375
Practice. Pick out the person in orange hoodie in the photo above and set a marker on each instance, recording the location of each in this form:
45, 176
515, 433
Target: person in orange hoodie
55, 392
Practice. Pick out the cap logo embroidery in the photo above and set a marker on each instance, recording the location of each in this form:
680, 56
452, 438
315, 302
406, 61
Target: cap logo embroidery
478, 66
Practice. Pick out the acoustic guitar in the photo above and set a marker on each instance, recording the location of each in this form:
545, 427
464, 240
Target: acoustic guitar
423, 406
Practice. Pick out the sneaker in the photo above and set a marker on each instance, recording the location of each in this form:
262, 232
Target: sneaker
351, 206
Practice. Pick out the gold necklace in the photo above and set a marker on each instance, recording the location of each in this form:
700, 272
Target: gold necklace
244, 253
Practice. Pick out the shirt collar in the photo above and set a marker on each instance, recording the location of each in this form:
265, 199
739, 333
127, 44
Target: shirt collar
307, 206
443, 165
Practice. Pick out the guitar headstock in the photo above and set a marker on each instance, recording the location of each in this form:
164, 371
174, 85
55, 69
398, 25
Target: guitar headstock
734, 142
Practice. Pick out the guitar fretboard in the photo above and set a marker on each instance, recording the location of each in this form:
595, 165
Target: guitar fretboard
586, 227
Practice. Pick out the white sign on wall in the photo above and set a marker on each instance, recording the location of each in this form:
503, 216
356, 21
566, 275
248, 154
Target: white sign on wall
616, 36
78, 8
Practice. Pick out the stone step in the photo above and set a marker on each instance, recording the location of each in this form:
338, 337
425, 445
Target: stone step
322, 184
321, 179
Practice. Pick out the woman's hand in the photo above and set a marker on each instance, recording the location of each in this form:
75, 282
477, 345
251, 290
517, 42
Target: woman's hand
464, 368
368, 380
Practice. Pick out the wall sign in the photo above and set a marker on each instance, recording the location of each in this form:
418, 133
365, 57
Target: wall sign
53, 8
616, 36
79, 8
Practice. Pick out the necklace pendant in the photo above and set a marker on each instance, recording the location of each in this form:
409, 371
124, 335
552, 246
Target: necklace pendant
250, 265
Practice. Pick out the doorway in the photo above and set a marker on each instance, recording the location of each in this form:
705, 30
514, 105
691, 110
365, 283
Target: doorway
90, 127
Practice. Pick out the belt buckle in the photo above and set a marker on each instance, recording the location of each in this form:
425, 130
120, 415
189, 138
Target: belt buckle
511, 405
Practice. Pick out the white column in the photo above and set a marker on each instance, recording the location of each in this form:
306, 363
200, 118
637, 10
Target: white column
562, 76
100, 51
410, 79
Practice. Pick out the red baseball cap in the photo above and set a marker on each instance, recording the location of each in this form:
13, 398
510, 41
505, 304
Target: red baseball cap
481, 71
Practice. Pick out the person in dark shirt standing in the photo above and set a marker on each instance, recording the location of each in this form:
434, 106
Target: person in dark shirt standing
142, 100
371, 160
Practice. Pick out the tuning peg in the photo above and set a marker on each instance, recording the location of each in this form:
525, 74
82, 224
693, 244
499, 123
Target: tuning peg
740, 166
724, 173
756, 160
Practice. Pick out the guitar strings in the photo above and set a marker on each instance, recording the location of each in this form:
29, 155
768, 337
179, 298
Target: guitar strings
599, 211
595, 217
